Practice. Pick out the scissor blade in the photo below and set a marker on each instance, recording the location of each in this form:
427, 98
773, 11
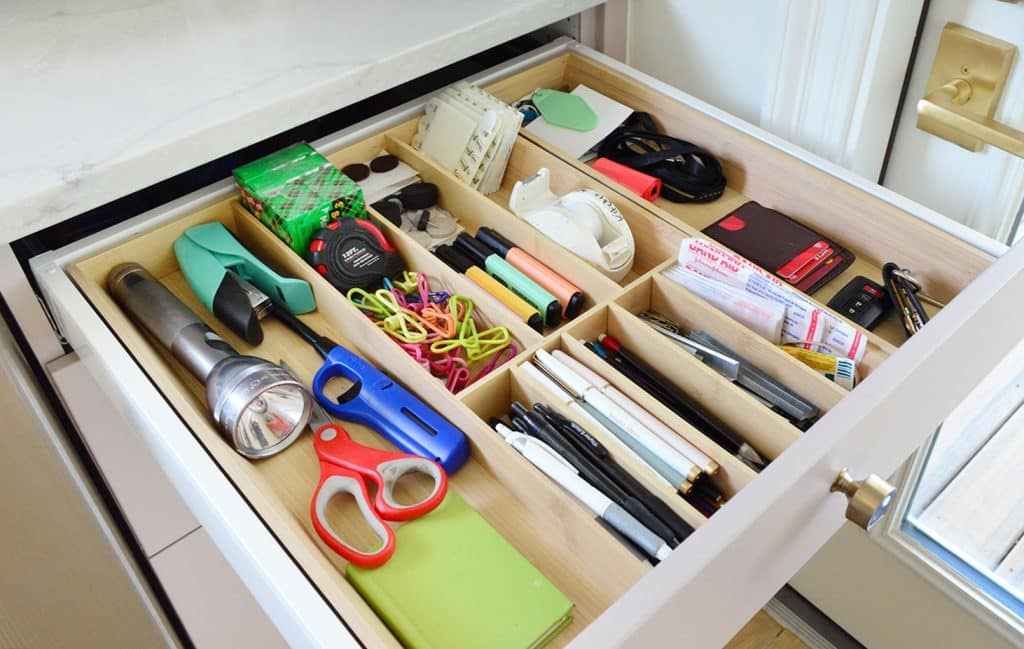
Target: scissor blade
318, 417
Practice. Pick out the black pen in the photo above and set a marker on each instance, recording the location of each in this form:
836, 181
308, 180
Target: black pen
685, 407
595, 451
535, 425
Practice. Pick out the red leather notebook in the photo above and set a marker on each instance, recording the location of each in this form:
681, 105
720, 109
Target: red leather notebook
793, 252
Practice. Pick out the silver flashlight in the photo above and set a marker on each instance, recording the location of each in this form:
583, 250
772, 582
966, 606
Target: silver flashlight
259, 406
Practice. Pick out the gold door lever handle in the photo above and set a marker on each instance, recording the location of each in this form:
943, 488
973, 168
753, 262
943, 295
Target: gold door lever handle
869, 498
943, 106
967, 80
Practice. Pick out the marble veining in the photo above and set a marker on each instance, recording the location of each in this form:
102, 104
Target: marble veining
102, 97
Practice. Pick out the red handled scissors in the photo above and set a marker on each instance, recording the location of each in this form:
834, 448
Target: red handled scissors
345, 467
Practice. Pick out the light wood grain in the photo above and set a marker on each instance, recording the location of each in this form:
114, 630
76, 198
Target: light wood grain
655, 239
534, 392
759, 633
766, 431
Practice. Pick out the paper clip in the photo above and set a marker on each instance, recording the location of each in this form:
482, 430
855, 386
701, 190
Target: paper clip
499, 359
408, 282
457, 380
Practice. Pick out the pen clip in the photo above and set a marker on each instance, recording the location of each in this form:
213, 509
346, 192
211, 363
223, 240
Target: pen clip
519, 441
546, 371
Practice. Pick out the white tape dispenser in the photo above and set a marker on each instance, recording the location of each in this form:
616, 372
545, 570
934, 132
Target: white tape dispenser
582, 221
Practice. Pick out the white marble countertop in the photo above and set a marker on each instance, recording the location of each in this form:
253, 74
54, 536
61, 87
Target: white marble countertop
104, 97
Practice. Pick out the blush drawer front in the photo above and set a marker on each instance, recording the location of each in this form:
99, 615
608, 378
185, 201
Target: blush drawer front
774, 520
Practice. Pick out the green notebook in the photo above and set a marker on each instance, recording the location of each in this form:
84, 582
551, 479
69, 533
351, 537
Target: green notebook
455, 582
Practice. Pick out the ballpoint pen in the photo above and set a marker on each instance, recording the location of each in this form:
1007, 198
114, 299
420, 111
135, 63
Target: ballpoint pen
535, 425
560, 471
590, 447
682, 469
696, 475
654, 382
588, 414
704, 463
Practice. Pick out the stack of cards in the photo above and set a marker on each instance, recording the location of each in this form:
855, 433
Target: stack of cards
470, 133
793, 252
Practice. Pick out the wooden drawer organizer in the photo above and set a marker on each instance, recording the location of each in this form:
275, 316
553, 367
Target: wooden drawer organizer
550, 528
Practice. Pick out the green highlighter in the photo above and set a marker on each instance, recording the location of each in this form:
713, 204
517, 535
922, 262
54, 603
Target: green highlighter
455, 583
512, 277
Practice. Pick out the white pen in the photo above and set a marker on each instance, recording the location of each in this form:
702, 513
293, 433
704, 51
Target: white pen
680, 465
565, 475
655, 425
605, 436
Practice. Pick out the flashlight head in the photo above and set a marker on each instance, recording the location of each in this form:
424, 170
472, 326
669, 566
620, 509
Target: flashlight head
259, 406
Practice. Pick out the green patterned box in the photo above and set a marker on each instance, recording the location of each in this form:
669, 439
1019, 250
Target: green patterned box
296, 191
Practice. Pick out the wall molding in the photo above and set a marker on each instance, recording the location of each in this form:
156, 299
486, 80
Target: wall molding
838, 71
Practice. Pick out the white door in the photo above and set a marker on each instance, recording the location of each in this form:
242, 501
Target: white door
945, 569
843, 78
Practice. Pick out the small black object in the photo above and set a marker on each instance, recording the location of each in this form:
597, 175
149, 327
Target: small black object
232, 304
412, 197
863, 301
423, 220
383, 163
391, 209
688, 173
353, 253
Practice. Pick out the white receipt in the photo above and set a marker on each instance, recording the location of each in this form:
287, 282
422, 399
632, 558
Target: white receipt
803, 321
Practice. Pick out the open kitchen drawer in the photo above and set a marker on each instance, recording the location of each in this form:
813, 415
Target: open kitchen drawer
257, 512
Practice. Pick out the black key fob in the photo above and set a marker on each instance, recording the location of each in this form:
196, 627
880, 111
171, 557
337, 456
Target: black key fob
863, 301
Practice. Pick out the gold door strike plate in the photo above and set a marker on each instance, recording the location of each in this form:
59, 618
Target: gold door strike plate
984, 62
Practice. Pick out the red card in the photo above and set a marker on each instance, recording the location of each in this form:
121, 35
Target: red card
808, 282
811, 255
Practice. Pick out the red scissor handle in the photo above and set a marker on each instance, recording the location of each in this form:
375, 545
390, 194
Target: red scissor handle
345, 466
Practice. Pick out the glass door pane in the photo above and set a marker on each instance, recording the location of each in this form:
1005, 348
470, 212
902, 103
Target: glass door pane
967, 504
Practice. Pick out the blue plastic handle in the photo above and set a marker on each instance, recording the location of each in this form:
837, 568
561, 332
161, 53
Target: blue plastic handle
391, 410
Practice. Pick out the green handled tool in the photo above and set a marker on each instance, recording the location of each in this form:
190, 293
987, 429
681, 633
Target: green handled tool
222, 273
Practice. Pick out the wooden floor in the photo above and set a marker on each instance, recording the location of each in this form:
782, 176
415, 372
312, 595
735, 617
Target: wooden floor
762, 632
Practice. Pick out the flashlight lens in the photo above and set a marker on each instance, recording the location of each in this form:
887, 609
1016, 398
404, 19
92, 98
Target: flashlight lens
271, 418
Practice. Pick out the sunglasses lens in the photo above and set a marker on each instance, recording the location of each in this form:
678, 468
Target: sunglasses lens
357, 172
383, 163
